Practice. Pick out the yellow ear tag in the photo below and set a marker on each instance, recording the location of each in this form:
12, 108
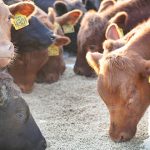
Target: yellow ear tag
68, 28
149, 79
121, 32
19, 21
53, 50
56, 26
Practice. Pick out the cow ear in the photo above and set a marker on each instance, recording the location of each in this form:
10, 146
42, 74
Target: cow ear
93, 60
60, 7
71, 17
113, 32
120, 19
24, 8
51, 14
62, 40
105, 4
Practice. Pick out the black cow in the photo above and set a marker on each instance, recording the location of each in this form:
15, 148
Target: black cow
35, 36
17, 127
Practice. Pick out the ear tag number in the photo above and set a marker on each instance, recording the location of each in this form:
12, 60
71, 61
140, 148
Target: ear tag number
53, 50
20, 21
68, 28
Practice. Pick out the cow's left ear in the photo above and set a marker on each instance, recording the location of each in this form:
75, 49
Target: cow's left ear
120, 19
71, 17
62, 40
24, 8
113, 32
93, 60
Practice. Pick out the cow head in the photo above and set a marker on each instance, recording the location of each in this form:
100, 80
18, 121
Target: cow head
17, 126
123, 86
65, 9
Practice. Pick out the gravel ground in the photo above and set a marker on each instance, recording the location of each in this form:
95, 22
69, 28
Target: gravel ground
72, 116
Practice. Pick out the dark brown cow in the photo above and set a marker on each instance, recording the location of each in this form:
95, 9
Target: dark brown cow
123, 83
55, 65
93, 27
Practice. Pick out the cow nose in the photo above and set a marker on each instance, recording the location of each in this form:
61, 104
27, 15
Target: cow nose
81, 71
53, 37
43, 144
123, 137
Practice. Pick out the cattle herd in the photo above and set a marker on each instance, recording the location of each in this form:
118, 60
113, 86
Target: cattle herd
109, 38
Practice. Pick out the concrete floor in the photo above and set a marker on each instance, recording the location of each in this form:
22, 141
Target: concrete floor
72, 116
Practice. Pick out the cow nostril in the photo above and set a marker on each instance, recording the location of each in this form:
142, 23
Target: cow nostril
53, 37
121, 138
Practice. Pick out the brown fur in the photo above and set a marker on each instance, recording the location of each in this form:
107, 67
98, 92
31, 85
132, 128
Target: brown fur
132, 12
123, 83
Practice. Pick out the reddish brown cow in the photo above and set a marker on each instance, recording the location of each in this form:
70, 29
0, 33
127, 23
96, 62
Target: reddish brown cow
6, 47
123, 83
55, 65
93, 27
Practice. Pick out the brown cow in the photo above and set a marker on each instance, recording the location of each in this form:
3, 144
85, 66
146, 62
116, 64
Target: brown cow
6, 47
93, 27
55, 65
123, 83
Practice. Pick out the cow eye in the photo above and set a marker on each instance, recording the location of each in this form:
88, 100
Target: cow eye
20, 115
9, 17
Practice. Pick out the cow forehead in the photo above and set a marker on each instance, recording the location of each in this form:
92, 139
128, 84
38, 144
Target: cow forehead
117, 72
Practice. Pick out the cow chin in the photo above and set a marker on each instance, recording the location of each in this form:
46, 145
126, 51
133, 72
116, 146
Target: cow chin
122, 135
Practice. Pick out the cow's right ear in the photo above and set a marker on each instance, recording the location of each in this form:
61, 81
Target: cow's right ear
105, 4
113, 32
24, 8
60, 7
62, 40
93, 60
71, 17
